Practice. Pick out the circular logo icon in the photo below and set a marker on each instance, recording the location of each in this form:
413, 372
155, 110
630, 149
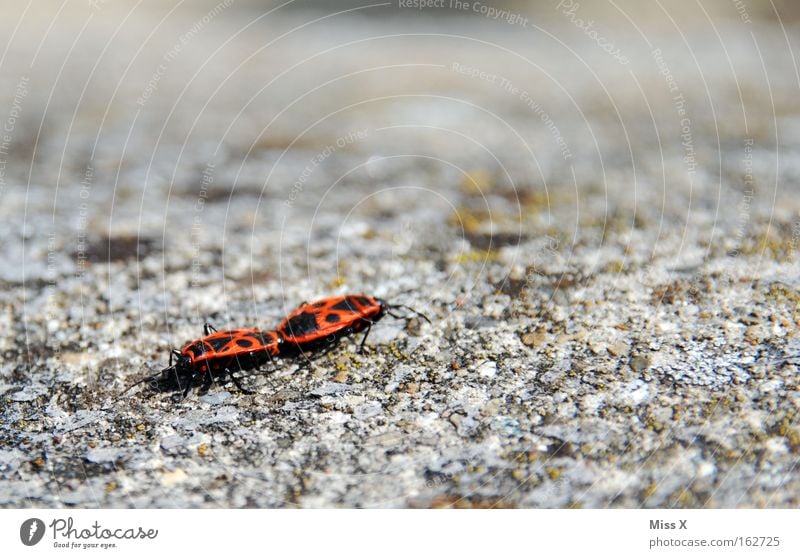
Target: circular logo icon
32, 531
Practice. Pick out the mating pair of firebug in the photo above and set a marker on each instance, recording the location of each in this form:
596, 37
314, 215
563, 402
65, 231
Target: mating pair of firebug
311, 328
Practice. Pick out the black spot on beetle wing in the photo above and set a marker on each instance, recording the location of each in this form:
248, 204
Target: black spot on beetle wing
219, 342
302, 324
348, 304
364, 301
332, 318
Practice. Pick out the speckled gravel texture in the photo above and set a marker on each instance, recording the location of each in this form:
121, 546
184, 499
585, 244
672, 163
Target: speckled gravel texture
606, 245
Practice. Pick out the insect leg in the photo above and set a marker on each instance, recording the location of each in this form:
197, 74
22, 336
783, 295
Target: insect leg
208, 329
189, 385
272, 362
177, 378
309, 357
364, 340
237, 383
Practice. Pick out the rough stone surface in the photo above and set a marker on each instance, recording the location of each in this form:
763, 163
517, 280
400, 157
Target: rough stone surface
612, 283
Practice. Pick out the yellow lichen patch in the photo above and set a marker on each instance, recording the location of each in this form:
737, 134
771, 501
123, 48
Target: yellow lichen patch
341, 364
203, 450
336, 282
782, 294
649, 490
468, 220
476, 256
554, 473
783, 427
477, 181
369, 233
614, 266
793, 440
684, 499
534, 201
774, 245
476, 221
771, 244
111, 486
654, 425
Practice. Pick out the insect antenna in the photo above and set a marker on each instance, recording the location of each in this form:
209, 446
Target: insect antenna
152, 378
403, 306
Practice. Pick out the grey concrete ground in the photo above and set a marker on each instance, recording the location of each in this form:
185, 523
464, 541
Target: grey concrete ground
602, 223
